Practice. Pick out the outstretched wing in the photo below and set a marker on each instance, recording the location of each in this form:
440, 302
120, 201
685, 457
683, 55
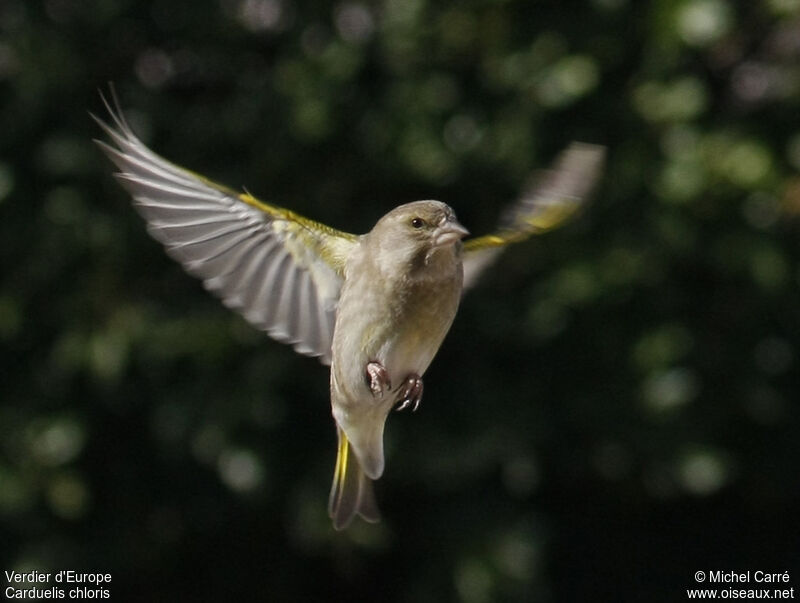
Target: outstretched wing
553, 196
281, 271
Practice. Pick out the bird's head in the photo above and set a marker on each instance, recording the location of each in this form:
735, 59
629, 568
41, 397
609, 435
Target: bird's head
414, 231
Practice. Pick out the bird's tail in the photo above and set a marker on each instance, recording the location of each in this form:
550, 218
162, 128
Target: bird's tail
351, 492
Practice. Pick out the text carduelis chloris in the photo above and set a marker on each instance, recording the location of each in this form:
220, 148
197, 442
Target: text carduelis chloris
375, 307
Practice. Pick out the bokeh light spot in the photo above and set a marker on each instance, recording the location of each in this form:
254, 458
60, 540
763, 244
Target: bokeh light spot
240, 470
701, 22
703, 472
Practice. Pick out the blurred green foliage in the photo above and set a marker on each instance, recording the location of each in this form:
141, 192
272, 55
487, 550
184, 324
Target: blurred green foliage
615, 408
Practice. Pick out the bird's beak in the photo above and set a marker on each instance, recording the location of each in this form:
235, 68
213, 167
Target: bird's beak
448, 232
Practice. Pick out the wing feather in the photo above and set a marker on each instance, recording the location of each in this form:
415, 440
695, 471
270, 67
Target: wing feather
293, 302
240, 264
309, 329
284, 307
549, 200
257, 298
281, 271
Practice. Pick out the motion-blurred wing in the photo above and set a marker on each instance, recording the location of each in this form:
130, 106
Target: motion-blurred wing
281, 271
553, 196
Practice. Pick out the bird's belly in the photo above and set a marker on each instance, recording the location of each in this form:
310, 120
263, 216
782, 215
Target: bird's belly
407, 353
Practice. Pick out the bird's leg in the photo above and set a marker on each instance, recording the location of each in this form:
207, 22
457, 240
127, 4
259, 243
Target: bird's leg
378, 379
411, 394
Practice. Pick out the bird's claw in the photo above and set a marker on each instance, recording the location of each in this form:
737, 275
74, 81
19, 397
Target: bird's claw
378, 379
411, 392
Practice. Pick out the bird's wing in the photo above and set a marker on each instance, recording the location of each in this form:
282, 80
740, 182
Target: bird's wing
281, 271
553, 196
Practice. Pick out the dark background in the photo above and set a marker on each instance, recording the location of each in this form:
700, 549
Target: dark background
616, 406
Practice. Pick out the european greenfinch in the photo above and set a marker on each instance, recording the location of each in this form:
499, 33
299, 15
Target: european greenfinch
375, 307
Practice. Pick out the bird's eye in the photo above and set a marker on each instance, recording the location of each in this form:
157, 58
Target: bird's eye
417, 222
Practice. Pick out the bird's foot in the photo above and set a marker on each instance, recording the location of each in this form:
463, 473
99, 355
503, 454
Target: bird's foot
411, 392
378, 379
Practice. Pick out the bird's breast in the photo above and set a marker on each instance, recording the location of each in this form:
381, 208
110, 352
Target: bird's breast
399, 322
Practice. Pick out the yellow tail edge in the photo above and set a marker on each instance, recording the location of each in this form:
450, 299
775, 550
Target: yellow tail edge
351, 492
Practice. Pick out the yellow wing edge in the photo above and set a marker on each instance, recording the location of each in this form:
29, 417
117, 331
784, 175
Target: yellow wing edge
548, 219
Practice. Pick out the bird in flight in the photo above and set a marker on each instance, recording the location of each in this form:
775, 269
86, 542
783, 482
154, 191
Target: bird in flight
375, 307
